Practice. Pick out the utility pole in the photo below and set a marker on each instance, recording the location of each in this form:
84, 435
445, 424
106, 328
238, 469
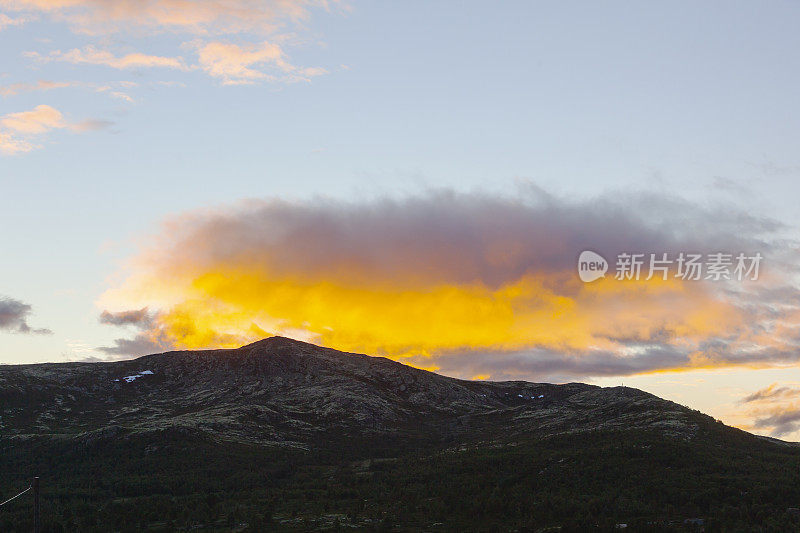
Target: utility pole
36, 523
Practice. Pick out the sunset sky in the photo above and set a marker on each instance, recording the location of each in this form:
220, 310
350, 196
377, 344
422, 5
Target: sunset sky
409, 179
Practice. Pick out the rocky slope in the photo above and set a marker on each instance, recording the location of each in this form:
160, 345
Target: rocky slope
284, 392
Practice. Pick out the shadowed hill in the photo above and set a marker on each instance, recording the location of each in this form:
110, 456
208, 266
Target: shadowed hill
286, 435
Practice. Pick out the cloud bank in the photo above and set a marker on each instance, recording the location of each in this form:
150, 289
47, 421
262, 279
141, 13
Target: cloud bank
470, 284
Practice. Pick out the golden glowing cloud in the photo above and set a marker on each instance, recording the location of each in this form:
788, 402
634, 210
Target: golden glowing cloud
232, 306
436, 280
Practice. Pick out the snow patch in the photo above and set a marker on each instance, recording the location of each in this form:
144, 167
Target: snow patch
134, 377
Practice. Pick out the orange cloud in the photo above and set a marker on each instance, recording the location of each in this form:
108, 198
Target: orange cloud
18, 131
234, 64
40, 119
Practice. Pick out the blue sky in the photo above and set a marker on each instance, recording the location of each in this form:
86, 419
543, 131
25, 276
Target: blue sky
369, 100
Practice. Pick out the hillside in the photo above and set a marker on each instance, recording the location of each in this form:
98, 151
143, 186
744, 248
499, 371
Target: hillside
285, 435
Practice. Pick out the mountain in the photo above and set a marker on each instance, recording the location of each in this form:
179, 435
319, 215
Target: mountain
285, 435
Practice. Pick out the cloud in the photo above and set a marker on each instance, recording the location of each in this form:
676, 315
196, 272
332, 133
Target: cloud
140, 345
6, 21
780, 421
215, 22
231, 63
19, 130
773, 392
774, 409
14, 89
91, 55
41, 119
201, 18
41, 85
91, 125
10, 145
471, 284
147, 339
136, 317
14, 317
114, 94
234, 64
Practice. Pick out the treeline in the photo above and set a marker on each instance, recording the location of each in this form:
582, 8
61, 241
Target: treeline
581, 482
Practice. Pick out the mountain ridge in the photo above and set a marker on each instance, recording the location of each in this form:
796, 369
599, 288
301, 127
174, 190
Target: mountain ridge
282, 435
282, 383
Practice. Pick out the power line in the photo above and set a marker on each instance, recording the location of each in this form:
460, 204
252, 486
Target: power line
17, 496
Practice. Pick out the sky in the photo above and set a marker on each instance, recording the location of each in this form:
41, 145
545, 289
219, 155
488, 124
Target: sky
409, 179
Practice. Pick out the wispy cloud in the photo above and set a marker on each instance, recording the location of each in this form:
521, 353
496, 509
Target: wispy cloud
264, 24
6, 21
20, 131
14, 89
109, 90
775, 409
14, 317
236, 65
112, 89
135, 317
773, 392
91, 55
207, 17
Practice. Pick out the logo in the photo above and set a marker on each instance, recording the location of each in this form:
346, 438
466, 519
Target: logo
591, 266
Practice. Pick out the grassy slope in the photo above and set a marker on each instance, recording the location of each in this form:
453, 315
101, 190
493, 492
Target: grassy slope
581, 481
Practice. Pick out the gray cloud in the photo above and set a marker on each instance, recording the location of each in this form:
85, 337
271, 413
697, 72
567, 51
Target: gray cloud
14, 317
449, 237
135, 317
142, 343
782, 421
548, 364
139, 345
773, 392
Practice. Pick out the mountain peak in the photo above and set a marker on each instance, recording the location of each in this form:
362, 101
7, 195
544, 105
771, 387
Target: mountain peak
274, 341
